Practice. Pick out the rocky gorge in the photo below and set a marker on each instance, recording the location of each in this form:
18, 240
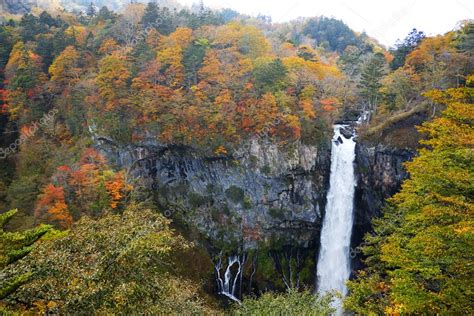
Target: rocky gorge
263, 206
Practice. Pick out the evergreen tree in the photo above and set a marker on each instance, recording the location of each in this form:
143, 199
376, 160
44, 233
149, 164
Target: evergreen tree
465, 40
46, 19
331, 32
61, 40
166, 21
105, 14
45, 48
270, 76
91, 11
228, 15
204, 15
13, 247
192, 60
151, 15
370, 81
29, 27
6, 44
405, 47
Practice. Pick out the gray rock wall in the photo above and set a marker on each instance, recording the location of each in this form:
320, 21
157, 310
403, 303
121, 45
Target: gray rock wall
380, 173
266, 198
268, 194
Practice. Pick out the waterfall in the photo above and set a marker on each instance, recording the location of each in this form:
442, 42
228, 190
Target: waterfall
333, 268
226, 286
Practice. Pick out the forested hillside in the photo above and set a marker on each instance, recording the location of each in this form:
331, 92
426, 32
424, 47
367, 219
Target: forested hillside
88, 233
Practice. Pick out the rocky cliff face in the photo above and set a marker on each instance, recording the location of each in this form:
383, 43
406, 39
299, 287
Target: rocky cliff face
20, 7
265, 204
380, 173
262, 207
15, 6
265, 195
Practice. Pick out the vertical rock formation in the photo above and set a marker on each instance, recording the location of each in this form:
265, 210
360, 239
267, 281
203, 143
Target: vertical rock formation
380, 173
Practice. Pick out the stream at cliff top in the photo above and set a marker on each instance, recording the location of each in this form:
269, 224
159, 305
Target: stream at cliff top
333, 268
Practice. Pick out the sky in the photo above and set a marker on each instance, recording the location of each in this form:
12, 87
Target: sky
385, 21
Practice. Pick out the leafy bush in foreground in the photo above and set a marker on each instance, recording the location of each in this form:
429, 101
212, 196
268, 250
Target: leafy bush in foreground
290, 303
117, 264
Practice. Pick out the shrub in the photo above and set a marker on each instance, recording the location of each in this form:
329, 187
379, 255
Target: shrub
289, 303
235, 194
116, 264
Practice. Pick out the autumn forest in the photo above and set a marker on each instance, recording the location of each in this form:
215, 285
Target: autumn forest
162, 159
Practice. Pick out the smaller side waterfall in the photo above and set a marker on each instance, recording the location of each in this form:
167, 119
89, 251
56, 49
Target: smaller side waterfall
333, 268
229, 284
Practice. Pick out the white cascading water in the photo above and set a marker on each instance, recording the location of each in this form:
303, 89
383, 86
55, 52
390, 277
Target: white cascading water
227, 286
333, 267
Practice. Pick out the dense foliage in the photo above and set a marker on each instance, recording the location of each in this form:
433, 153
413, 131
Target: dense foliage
403, 48
119, 263
185, 78
420, 256
331, 33
290, 303
13, 247
441, 62
214, 81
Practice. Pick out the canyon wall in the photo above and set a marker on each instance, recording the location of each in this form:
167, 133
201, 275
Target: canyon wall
265, 200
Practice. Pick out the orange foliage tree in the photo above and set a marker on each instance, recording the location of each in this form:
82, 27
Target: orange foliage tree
24, 80
87, 187
51, 207
225, 103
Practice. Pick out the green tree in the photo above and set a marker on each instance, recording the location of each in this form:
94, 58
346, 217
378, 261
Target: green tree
400, 89
105, 14
45, 49
419, 261
290, 303
61, 40
166, 25
6, 44
91, 11
151, 15
370, 81
465, 40
465, 44
46, 19
193, 57
117, 264
29, 27
331, 32
405, 47
270, 76
13, 247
